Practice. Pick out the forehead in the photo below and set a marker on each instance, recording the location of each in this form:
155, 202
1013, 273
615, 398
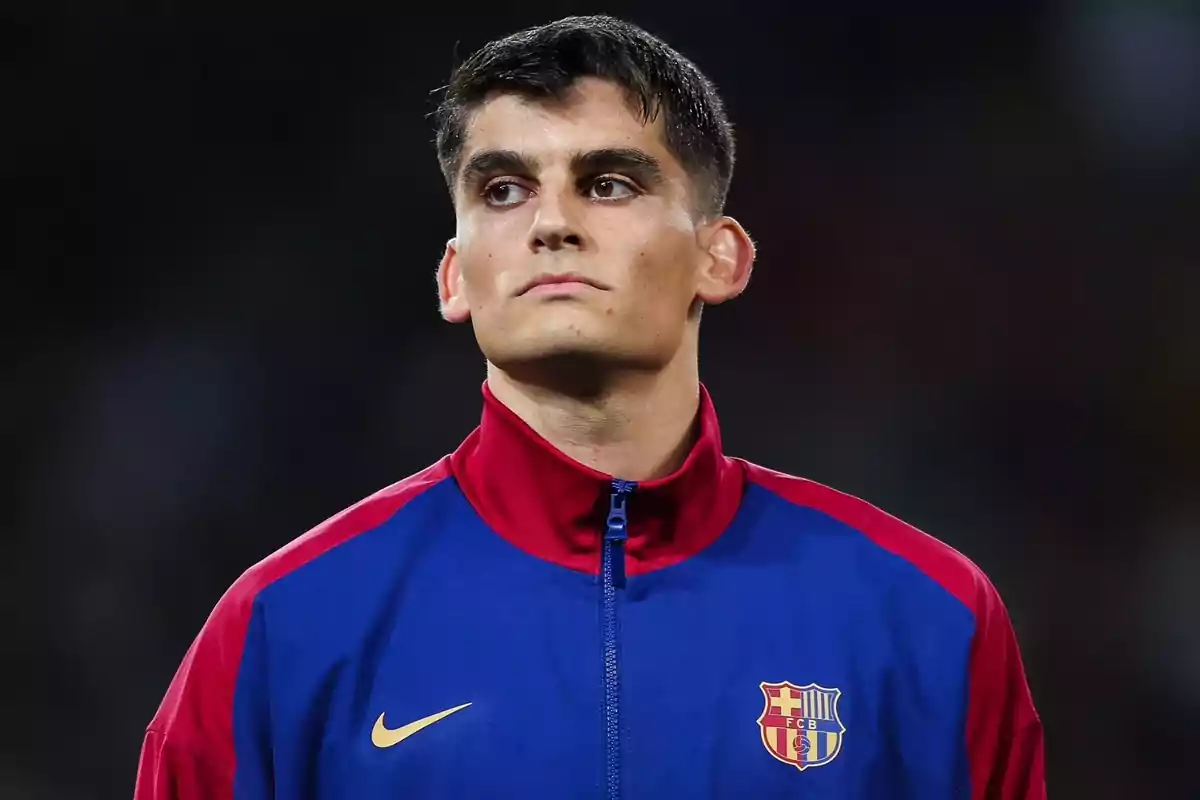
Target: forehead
596, 114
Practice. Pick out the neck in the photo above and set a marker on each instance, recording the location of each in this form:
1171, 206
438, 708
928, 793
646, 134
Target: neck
633, 426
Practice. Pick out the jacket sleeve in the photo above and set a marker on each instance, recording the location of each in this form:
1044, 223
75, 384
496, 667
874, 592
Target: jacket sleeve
1004, 733
167, 771
210, 731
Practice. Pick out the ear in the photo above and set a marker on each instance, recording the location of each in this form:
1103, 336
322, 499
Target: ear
452, 301
725, 272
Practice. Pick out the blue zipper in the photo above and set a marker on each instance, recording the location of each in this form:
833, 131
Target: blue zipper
612, 573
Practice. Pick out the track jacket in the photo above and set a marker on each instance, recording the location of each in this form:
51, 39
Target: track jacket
510, 624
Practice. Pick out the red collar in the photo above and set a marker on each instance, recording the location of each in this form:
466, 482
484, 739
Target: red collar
553, 507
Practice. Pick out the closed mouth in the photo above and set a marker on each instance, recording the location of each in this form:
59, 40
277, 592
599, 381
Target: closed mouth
569, 277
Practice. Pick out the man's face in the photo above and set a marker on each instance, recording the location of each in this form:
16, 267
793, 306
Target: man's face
576, 233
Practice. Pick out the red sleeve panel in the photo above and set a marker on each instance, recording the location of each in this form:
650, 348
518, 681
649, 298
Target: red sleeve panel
191, 750
1003, 732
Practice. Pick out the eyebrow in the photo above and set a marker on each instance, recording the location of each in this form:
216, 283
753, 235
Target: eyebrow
637, 164
490, 163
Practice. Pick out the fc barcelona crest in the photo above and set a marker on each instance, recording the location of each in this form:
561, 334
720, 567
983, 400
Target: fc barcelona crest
800, 724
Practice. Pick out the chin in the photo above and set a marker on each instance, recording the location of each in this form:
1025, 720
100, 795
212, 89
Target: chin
563, 331
571, 342
569, 345
573, 358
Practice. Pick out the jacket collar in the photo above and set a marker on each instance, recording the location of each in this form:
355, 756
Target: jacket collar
553, 507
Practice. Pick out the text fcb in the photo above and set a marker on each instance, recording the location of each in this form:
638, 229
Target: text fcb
800, 724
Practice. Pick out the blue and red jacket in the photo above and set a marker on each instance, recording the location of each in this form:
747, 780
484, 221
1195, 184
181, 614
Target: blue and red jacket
508, 623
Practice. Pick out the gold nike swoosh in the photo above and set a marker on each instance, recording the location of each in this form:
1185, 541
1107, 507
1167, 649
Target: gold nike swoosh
382, 737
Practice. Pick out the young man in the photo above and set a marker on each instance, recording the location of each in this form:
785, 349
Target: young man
588, 598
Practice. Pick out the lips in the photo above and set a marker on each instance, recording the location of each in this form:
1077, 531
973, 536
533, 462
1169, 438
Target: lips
551, 279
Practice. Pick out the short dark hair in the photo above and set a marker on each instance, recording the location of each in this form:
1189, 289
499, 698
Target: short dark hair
543, 63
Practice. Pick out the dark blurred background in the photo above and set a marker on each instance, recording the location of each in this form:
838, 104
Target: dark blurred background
975, 306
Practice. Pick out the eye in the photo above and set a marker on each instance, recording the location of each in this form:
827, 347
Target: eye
502, 194
612, 188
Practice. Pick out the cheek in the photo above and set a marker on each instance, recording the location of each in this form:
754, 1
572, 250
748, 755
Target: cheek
660, 243
664, 276
488, 260
480, 275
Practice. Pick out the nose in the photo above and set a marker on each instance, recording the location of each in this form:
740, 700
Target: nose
556, 225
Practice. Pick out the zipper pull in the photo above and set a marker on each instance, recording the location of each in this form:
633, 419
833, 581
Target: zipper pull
616, 531
617, 527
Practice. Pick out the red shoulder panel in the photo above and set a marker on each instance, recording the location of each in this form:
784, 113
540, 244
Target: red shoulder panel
188, 750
